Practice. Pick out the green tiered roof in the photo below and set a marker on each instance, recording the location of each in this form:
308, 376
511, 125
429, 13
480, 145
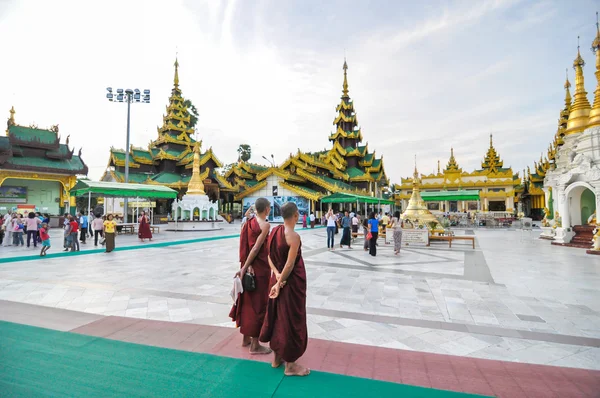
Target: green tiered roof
168, 160
20, 151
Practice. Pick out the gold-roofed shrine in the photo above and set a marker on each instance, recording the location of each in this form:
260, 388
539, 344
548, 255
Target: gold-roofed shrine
416, 212
348, 166
168, 160
36, 170
497, 186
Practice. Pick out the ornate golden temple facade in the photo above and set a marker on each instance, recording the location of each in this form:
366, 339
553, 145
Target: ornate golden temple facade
492, 188
168, 160
346, 167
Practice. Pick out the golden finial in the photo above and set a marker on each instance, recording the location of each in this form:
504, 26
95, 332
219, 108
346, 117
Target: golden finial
491, 141
345, 86
176, 79
595, 112
579, 115
195, 186
438, 166
567, 91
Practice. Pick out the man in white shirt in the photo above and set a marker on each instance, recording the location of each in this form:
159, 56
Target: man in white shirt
312, 220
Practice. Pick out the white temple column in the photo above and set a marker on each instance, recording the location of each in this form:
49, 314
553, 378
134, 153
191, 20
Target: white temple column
563, 207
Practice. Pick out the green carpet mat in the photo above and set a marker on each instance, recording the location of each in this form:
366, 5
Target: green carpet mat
43, 362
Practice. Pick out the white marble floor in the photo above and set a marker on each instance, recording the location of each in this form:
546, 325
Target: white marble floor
512, 298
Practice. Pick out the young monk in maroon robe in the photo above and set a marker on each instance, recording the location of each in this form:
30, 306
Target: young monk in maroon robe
249, 310
285, 324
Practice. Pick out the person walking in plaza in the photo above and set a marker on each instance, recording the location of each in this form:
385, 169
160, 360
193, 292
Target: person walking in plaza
304, 217
355, 224
109, 233
331, 220
374, 230
312, 220
396, 226
365, 226
74, 232
144, 231
67, 233
91, 218
17, 224
32, 223
285, 322
43, 231
346, 234
83, 226
98, 227
250, 308
8, 229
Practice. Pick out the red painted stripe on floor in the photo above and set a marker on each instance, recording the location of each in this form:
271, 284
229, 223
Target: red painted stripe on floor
446, 372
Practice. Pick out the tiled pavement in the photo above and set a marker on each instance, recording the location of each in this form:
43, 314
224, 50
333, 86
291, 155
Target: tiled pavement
513, 298
454, 373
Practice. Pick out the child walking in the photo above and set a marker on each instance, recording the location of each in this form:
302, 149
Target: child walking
45, 237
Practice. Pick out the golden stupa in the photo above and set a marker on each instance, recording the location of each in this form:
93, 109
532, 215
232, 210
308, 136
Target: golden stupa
195, 186
416, 212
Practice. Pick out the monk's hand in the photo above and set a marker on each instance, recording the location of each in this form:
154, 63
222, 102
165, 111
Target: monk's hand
240, 273
274, 293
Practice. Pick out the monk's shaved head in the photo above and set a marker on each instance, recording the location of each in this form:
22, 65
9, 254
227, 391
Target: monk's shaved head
288, 210
261, 205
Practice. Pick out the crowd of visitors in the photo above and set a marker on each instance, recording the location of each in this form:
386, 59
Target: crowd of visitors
34, 228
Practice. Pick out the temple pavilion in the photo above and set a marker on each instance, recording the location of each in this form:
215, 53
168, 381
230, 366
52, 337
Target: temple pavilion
37, 172
346, 167
168, 159
493, 188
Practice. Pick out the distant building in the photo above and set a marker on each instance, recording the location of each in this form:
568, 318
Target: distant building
493, 188
37, 172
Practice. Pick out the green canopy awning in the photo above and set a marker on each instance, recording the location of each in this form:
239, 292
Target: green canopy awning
121, 190
352, 198
450, 195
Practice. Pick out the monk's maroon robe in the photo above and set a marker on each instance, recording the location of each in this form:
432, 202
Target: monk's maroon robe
285, 324
249, 310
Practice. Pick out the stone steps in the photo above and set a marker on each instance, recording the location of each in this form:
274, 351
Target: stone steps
583, 237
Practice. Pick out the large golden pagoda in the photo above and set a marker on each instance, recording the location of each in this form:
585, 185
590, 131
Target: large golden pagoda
416, 212
595, 112
579, 116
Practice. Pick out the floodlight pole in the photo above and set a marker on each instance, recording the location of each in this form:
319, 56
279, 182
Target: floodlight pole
129, 94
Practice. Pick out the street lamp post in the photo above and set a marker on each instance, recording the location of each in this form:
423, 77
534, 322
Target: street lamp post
272, 161
128, 96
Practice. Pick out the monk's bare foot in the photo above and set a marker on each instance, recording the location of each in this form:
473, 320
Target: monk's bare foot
246, 341
260, 350
293, 369
276, 361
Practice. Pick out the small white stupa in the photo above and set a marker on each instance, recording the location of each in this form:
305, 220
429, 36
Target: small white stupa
195, 207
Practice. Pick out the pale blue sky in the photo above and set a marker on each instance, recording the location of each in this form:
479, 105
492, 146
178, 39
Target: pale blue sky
268, 73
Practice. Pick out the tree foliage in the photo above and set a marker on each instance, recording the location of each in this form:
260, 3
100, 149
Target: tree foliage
244, 152
193, 112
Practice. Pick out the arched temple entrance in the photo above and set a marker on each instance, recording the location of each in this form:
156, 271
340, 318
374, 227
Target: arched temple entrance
581, 204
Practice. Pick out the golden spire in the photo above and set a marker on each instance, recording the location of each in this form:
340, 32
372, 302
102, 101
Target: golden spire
438, 166
195, 186
492, 161
176, 78
568, 100
580, 111
452, 165
345, 86
595, 112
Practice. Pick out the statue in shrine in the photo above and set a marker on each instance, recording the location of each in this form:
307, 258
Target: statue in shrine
545, 220
557, 220
596, 239
592, 219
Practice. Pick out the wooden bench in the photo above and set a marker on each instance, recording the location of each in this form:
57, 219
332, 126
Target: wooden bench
449, 239
155, 229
